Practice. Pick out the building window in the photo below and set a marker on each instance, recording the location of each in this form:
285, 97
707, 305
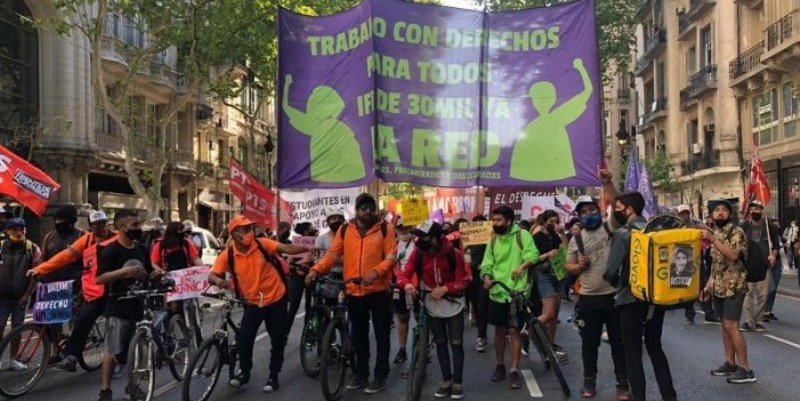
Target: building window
19, 69
791, 111
691, 62
765, 117
707, 41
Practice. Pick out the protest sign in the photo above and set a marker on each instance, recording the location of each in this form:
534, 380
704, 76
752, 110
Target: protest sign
53, 303
315, 205
439, 96
25, 183
476, 233
414, 211
189, 283
258, 201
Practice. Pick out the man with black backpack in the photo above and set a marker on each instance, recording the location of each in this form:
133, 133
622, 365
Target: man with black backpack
259, 279
637, 318
763, 246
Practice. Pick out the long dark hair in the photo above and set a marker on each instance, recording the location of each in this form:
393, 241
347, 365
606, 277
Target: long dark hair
173, 235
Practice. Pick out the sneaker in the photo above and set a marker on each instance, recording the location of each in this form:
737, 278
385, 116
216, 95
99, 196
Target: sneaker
742, 376
105, 395
515, 379
70, 364
377, 385
771, 316
272, 384
401, 356
358, 382
726, 369
604, 336
561, 355
746, 327
480, 345
623, 392
134, 393
239, 380
443, 391
499, 373
457, 392
690, 321
760, 327
589, 389
712, 320
119, 370
17, 366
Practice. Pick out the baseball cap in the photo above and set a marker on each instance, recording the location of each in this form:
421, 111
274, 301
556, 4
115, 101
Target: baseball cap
712, 204
429, 227
97, 215
400, 223
755, 203
15, 222
585, 200
66, 213
684, 209
239, 221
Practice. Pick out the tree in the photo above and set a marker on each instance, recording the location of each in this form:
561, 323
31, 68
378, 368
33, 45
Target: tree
615, 29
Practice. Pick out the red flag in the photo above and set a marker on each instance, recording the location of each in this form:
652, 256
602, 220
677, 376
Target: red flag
258, 201
25, 183
757, 187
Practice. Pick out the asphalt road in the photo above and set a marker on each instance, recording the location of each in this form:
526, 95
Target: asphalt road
692, 350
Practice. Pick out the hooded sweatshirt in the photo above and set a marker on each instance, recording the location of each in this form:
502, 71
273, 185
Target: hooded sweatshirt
503, 255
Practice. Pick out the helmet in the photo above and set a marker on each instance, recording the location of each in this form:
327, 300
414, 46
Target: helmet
97, 215
585, 200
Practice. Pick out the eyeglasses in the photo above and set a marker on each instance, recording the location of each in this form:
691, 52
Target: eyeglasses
243, 229
367, 208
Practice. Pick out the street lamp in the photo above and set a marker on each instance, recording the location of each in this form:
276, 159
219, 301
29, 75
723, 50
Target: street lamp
622, 134
269, 147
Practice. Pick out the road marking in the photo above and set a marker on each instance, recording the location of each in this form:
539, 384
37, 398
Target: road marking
300, 315
780, 340
533, 386
167, 387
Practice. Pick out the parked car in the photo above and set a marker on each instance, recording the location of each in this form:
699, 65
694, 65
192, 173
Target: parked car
206, 244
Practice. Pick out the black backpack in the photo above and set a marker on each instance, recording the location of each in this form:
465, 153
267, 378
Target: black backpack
756, 262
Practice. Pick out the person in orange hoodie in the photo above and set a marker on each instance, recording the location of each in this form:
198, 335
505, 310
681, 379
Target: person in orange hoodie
368, 249
89, 311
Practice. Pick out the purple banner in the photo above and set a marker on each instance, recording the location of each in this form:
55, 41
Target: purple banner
439, 96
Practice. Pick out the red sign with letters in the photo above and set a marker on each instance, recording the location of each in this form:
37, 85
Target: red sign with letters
25, 183
257, 200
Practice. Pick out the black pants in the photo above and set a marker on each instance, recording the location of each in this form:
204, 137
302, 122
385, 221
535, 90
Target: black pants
274, 317
479, 300
378, 306
634, 324
449, 330
82, 326
297, 287
594, 311
708, 305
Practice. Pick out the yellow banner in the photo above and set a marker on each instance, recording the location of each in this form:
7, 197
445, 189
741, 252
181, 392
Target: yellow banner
414, 211
476, 233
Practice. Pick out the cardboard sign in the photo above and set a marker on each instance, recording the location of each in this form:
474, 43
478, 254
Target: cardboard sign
414, 211
315, 205
189, 283
476, 233
53, 302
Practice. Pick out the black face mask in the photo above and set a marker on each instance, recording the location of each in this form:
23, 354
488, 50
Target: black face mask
135, 234
424, 245
756, 216
335, 226
64, 227
551, 228
620, 217
722, 222
500, 230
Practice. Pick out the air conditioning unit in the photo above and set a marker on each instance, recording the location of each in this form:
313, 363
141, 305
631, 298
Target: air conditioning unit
680, 11
697, 148
710, 127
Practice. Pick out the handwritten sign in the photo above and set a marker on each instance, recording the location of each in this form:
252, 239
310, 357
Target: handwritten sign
414, 211
53, 302
189, 283
476, 233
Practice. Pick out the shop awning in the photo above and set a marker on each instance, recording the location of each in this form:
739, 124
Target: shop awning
220, 206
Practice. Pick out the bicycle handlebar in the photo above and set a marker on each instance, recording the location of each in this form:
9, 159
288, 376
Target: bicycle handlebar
222, 296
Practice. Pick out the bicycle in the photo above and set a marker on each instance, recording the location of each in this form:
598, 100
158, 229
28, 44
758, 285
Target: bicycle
522, 304
36, 342
320, 311
337, 348
216, 351
420, 350
151, 345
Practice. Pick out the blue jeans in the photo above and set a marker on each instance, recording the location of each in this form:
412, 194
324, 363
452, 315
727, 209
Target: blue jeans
777, 273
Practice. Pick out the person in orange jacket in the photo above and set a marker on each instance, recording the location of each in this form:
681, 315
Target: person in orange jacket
368, 249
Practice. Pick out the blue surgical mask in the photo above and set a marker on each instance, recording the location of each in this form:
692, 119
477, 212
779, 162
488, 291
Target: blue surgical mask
591, 221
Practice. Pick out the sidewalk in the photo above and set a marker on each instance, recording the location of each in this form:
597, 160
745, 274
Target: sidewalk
789, 285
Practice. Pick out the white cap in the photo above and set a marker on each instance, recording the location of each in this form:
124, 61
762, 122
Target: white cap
97, 215
400, 222
684, 208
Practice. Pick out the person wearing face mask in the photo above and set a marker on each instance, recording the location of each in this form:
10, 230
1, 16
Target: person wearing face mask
64, 235
368, 249
17, 256
89, 310
727, 287
763, 254
122, 266
587, 258
508, 256
405, 246
637, 318
259, 277
300, 265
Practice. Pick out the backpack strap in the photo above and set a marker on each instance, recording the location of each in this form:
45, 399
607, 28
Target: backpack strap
579, 243
237, 288
343, 230
519, 240
608, 229
46, 240
272, 260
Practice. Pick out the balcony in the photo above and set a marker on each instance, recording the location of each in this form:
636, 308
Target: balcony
183, 156
698, 7
656, 110
748, 61
703, 161
751, 4
783, 43
114, 53
699, 83
206, 169
108, 143
162, 74
654, 44
685, 26
623, 95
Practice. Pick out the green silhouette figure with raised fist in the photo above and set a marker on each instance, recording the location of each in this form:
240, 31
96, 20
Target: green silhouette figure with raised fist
335, 154
543, 151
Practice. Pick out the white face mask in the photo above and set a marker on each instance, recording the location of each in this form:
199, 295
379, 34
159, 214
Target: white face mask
404, 237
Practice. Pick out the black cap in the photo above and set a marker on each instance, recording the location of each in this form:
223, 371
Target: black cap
365, 199
66, 213
712, 204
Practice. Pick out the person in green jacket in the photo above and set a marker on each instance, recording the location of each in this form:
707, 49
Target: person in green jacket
509, 255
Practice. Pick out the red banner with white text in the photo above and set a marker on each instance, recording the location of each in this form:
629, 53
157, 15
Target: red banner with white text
257, 200
25, 183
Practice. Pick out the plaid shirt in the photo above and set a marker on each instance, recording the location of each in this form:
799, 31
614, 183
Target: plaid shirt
729, 276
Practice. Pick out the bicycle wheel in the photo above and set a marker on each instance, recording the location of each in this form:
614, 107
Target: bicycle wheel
547, 347
24, 353
141, 371
203, 371
194, 321
334, 364
310, 340
419, 364
178, 346
92, 357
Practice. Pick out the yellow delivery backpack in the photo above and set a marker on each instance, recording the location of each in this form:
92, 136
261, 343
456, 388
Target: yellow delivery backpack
665, 266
